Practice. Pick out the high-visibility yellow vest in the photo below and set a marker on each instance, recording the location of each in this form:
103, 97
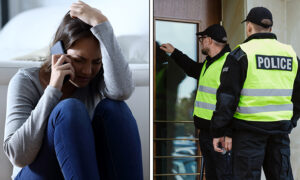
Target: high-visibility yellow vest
209, 81
268, 87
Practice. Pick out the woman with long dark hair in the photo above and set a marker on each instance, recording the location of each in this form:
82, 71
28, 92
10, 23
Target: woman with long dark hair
80, 128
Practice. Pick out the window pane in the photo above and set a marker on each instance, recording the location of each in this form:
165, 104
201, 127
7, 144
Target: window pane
177, 177
175, 92
174, 103
176, 148
175, 130
176, 165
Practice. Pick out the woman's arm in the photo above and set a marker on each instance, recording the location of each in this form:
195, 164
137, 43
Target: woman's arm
117, 83
26, 118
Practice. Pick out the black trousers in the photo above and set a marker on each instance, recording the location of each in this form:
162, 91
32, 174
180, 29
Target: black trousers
217, 165
252, 151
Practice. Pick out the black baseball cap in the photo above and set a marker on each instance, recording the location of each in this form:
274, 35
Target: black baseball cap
216, 32
258, 14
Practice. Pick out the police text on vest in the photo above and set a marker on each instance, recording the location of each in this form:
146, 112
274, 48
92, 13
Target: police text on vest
274, 62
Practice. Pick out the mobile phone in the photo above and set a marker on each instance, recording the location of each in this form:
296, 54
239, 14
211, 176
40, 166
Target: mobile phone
58, 48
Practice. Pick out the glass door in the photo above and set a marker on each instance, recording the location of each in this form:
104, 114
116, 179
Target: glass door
176, 150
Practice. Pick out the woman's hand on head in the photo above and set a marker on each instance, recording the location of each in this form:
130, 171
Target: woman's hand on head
61, 67
86, 13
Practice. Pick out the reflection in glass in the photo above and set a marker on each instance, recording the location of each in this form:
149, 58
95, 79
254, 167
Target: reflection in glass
175, 130
184, 147
178, 177
179, 165
175, 95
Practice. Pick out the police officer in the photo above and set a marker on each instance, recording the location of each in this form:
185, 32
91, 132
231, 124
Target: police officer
214, 45
259, 97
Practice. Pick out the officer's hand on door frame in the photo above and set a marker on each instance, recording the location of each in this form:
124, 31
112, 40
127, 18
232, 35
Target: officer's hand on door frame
167, 47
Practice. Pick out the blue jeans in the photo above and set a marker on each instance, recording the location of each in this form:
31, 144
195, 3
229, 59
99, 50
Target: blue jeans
74, 147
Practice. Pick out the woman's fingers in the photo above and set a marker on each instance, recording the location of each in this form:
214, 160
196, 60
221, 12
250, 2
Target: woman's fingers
86, 13
62, 59
79, 8
75, 11
61, 66
73, 73
81, 2
55, 58
64, 66
75, 7
67, 65
67, 69
69, 72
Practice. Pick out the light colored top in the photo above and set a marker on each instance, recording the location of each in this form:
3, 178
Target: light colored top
29, 105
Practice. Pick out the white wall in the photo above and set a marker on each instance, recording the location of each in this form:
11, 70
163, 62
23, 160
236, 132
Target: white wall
278, 9
143, 122
133, 15
293, 24
293, 36
233, 13
5, 165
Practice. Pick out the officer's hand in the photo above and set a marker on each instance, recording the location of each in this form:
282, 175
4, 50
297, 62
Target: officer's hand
216, 142
228, 143
167, 48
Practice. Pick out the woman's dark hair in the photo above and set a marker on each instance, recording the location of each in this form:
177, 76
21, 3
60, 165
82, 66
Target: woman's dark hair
69, 31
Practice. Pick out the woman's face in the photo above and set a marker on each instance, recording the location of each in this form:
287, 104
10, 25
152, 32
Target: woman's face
86, 60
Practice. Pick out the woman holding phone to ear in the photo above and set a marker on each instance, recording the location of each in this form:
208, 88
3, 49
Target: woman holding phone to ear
80, 129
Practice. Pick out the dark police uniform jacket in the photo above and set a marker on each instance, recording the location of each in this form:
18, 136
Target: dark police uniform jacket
193, 69
228, 96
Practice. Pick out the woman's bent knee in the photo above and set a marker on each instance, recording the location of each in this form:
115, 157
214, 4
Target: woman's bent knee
70, 110
114, 113
111, 106
70, 104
